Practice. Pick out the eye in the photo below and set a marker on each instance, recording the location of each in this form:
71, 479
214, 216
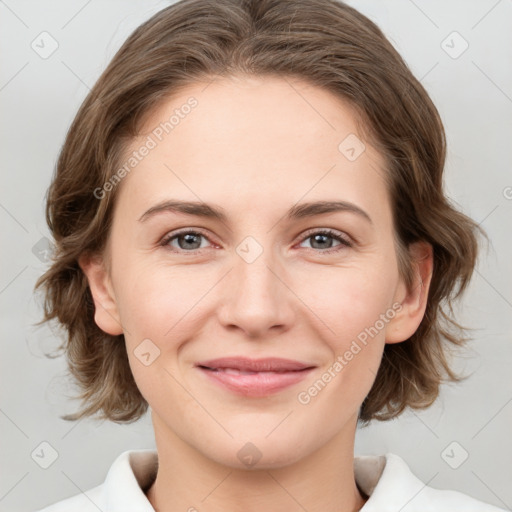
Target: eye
323, 240
191, 240
187, 241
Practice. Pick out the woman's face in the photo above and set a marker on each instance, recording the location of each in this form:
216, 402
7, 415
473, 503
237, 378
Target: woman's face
260, 280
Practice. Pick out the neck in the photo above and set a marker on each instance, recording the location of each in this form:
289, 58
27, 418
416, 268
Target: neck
188, 481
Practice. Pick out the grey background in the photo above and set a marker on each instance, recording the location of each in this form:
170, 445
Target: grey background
38, 100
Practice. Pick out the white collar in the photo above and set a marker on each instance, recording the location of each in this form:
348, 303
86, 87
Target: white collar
387, 479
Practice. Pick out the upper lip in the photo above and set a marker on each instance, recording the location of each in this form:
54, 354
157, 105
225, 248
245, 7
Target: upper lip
268, 364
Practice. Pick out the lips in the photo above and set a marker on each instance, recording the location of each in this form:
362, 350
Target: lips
242, 364
255, 377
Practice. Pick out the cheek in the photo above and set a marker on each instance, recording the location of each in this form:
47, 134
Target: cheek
351, 299
156, 309
354, 306
153, 302
355, 343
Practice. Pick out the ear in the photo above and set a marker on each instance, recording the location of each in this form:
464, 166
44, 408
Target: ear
106, 313
414, 301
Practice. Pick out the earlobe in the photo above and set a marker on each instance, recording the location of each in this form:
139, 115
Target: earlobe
413, 301
106, 313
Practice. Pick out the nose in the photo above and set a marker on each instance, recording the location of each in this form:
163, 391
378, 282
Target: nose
256, 297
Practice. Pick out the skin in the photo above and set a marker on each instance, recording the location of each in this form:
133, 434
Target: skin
254, 147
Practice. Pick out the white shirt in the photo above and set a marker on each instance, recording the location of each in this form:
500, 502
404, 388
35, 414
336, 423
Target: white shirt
386, 479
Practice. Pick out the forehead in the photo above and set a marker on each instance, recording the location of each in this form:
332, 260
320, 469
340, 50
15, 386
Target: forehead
254, 140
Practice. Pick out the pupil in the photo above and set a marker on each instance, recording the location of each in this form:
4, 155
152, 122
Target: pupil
189, 239
318, 238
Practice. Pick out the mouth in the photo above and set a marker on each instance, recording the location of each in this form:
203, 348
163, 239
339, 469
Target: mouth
255, 377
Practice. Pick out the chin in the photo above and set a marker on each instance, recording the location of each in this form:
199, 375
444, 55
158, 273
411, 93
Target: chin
259, 453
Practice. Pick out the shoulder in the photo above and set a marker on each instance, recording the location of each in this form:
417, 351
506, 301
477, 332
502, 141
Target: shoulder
393, 487
89, 501
123, 489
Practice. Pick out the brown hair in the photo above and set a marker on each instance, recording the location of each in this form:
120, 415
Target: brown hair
325, 43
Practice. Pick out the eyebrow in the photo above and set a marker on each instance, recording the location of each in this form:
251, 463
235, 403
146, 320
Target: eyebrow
298, 211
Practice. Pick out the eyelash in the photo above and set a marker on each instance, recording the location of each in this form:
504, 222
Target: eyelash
344, 243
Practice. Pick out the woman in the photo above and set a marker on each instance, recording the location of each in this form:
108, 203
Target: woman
289, 145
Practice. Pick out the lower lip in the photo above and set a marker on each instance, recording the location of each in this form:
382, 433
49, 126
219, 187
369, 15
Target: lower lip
257, 384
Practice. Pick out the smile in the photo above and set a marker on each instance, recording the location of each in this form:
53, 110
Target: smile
254, 377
